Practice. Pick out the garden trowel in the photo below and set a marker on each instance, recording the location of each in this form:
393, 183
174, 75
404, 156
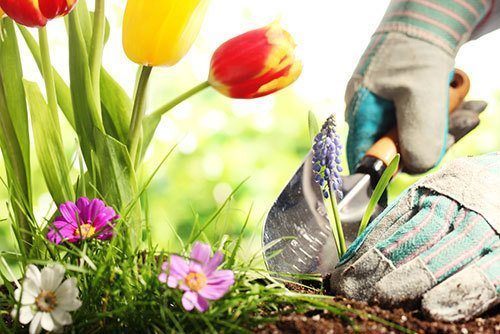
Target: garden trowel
297, 236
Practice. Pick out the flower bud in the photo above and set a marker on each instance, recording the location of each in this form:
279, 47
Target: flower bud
254, 64
36, 13
159, 33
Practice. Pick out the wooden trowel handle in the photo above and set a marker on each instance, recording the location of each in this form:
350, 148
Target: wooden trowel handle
386, 148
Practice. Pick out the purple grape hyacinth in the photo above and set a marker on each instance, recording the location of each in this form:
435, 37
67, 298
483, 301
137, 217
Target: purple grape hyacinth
326, 159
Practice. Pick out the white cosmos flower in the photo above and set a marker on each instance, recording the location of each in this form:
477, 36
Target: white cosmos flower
45, 300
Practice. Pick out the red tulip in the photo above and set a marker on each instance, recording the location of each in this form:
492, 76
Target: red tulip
254, 64
36, 13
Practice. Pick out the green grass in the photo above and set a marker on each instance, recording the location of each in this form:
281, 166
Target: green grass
120, 290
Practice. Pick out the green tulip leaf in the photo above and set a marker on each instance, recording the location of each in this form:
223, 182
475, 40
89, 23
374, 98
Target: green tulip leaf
14, 133
49, 146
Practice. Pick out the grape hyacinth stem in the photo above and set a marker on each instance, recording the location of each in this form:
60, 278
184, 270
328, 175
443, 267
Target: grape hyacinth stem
338, 231
326, 168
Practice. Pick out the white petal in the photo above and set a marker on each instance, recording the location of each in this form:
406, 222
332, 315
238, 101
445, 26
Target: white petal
47, 322
67, 295
30, 291
70, 305
36, 326
62, 317
52, 277
33, 273
25, 314
13, 313
67, 289
17, 294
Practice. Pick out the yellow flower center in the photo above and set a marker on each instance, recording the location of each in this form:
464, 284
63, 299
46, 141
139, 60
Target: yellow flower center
85, 231
46, 301
196, 281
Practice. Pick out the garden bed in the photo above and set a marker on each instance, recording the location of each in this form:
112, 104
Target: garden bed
358, 317
366, 318
320, 321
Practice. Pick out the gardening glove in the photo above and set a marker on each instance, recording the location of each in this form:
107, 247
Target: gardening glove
438, 244
404, 75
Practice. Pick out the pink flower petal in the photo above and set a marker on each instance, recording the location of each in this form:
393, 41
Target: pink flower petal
162, 277
195, 267
173, 281
165, 266
192, 300
214, 262
60, 224
178, 266
70, 212
58, 235
213, 292
201, 252
188, 300
218, 284
201, 304
82, 203
221, 277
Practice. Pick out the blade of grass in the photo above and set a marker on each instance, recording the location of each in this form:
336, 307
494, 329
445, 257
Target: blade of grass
232, 258
379, 191
216, 214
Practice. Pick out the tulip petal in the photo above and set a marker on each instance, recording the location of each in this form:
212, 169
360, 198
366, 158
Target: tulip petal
25, 12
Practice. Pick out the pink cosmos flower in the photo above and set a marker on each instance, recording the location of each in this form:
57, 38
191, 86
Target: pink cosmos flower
83, 220
198, 278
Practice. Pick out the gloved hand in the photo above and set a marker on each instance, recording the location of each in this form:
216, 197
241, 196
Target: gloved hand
404, 74
438, 244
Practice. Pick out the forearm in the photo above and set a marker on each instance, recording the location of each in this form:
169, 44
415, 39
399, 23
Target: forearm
490, 22
445, 23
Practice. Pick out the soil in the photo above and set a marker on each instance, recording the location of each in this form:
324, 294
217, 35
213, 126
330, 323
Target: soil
361, 320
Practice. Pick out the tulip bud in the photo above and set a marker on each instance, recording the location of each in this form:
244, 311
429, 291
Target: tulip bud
36, 13
254, 64
161, 32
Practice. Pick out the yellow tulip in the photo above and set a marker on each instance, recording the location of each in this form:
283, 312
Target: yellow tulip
158, 33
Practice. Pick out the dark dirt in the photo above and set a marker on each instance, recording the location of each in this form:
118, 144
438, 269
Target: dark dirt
362, 320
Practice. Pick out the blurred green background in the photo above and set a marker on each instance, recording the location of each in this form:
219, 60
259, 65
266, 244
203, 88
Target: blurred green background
222, 142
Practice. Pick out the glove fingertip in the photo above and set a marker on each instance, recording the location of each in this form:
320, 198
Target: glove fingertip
461, 297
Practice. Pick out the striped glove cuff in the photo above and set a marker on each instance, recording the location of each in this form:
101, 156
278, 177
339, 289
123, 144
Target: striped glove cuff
445, 23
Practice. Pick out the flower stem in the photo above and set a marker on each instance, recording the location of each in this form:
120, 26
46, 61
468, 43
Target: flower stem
151, 121
47, 72
341, 247
179, 99
97, 47
138, 112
